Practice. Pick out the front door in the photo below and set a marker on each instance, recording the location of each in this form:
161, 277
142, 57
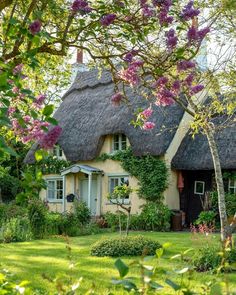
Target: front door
84, 194
197, 183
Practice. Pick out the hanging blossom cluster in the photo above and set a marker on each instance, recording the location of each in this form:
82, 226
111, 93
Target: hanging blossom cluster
81, 6
35, 27
171, 39
24, 126
195, 35
50, 139
144, 116
107, 19
117, 98
131, 74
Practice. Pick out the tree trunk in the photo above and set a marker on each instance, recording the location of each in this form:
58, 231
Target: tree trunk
225, 228
128, 221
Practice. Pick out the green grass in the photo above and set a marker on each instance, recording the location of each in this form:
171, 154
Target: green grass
29, 260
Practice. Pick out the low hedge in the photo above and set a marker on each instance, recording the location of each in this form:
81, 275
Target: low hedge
125, 246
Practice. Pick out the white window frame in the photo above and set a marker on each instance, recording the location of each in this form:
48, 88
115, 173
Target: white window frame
195, 187
230, 187
119, 177
120, 141
57, 152
55, 179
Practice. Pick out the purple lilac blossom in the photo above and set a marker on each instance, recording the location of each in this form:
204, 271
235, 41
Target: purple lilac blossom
107, 19
196, 89
81, 6
184, 65
189, 11
50, 139
171, 39
189, 79
35, 27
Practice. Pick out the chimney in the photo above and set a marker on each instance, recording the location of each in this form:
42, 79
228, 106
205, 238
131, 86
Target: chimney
79, 57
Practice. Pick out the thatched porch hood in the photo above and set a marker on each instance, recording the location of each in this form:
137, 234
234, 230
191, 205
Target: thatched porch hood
86, 115
194, 154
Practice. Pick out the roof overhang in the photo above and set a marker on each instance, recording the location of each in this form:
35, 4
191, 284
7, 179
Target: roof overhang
76, 168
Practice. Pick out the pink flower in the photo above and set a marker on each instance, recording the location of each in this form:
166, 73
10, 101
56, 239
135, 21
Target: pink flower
148, 125
165, 97
116, 98
17, 69
39, 101
147, 113
189, 79
35, 27
131, 75
160, 82
50, 139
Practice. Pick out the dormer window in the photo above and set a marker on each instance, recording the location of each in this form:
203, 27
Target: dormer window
57, 151
119, 142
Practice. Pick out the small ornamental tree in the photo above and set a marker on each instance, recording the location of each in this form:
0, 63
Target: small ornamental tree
118, 197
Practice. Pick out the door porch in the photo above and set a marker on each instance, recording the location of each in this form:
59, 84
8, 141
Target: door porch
85, 183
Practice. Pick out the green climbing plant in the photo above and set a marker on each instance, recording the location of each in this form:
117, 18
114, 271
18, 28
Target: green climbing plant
150, 171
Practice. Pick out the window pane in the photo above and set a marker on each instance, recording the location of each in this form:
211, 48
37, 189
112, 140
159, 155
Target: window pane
51, 195
60, 152
199, 187
123, 142
59, 194
59, 184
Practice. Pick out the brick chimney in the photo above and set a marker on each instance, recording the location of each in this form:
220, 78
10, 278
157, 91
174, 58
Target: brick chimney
79, 57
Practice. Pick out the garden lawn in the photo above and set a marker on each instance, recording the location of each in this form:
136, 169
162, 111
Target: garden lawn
30, 260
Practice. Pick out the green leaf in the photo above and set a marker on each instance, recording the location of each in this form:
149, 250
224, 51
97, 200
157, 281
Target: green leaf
173, 285
121, 267
175, 256
155, 286
182, 271
128, 285
51, 120
48, 110
159, 252
166, 245
39, 155
3, 79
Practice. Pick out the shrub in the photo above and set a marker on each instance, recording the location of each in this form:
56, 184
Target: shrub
135, 223
155, 216
206, 217
16, 230
53, 223
112, 220
207, 258
82, 212
125, 246
69, 225
11, 210
230, 202
37, 212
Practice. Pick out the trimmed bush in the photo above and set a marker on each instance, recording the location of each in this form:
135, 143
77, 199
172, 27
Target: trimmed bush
125, 246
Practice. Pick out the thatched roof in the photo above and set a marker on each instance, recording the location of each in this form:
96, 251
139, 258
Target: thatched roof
194, 153
86, 116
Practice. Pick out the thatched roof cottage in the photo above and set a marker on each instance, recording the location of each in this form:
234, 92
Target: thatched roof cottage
93, 126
